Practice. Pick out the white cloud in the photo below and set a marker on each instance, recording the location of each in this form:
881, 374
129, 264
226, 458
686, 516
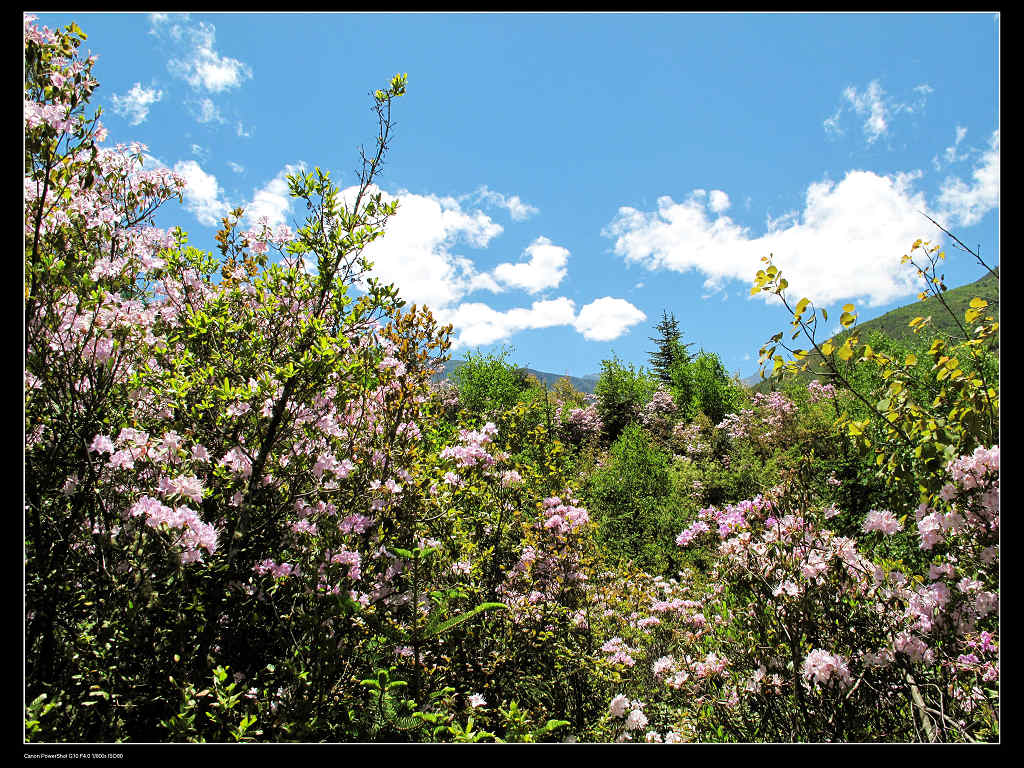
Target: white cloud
718, 201
478, 324
158, 20
273, 199
134, 105
869, 105
965, 204
545, 268
206, 112
517, 209
203, 195
420, 254
607, 318
875, 109
845, 244
241, 132
236, 167
949, 154
418, 250
197, 62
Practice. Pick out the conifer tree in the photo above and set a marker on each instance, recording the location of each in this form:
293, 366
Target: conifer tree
670, 348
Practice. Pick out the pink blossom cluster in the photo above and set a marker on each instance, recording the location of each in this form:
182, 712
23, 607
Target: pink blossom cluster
824, 668
659, 409
974, 497
688, 437
350, 559
632, 711
510, 477
583, 423
195, 534
447, 395
819, 391
767, 420
260, 236
882, 520
738, 425
735, 517
472, 451
40, 36
277, 570
562, 517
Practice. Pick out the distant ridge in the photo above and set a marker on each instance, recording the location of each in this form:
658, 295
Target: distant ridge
585, 384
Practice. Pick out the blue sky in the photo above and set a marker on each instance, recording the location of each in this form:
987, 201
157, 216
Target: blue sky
564, 178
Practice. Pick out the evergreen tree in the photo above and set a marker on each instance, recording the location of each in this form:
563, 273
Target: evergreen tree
670, 348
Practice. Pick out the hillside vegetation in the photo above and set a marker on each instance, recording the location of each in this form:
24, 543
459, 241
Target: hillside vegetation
945, 321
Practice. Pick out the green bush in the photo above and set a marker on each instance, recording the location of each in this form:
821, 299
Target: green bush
621, 391
488, 384
632, 499
701, 385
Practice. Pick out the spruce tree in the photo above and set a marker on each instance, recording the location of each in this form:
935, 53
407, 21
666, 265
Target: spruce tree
670, 348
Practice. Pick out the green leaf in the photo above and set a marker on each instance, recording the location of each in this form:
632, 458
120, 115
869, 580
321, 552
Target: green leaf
461, 618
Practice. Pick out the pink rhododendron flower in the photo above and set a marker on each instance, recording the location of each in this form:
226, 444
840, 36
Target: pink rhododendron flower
882, 520
618, 706
823, 667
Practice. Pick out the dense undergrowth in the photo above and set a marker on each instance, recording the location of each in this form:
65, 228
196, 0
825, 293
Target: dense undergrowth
250, 515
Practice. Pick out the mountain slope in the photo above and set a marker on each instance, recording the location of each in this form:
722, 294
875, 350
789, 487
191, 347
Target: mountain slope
896, 323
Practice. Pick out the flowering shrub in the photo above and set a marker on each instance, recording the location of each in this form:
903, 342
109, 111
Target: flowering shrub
583, 424
251, 515
656, 414
853, 641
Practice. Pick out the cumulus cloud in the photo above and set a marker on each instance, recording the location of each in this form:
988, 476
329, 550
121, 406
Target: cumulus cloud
846, 242
718, 201
872, 106
422, 253
607, 318
236, 167
962, 203
273, 200
544, 269
203, 196
517, 209
134, 105
420, 250
477, 323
